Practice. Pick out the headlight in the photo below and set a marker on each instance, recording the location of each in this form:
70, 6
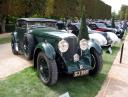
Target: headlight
63, 46
83, 44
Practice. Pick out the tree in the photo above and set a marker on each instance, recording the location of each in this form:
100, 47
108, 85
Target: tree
83, 33
26, 8
4, 6
20, 8
61, 8
123, 12
71, 8
126, 14
97, 9
113, 22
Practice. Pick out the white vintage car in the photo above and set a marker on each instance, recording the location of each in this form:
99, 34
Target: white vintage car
102, 38
111, 37
98, 38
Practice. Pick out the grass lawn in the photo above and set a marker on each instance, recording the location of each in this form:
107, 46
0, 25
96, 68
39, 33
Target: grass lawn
5, 40
27, 84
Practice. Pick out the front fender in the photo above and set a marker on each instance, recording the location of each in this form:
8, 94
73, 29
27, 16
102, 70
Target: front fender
47, 49
14, 36
93, 44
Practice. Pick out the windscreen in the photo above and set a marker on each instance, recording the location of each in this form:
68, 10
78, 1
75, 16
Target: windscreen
38, 24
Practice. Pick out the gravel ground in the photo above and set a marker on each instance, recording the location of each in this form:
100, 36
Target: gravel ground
9, 63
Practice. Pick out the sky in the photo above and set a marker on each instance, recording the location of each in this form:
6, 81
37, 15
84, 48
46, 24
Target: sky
116, 4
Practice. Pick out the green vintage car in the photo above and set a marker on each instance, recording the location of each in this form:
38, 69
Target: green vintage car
55, 51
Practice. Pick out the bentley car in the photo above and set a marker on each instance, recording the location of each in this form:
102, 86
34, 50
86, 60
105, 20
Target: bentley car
54, 51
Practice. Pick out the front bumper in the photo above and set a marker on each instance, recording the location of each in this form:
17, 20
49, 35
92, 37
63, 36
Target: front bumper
83, 64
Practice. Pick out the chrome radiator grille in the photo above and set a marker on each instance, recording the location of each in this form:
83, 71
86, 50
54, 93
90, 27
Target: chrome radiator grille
73, 48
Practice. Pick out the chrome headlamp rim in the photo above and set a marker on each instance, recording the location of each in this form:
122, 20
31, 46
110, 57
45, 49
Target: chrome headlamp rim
83, 44
63, 46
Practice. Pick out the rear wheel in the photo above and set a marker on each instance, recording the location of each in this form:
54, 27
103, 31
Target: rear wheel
96, 62
47, 69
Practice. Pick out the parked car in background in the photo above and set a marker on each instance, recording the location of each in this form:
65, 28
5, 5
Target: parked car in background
103, 28
118, 27
98, 38
110, 36
118, 31
102, 38
93, 26
55, 51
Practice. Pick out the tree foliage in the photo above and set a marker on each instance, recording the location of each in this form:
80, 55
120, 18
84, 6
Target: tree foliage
26, 8
61, 8
20, 8
71, 9
55, 8
113, 22
124, 12
49, 4
83, 33
4, 10
67, 9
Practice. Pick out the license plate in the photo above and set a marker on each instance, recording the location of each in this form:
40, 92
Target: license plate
80, 73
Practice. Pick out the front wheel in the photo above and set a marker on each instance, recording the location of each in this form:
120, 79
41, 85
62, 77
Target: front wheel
47, 69
96, 62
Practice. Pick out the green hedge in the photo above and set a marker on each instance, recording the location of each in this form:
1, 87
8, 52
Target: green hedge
10, 27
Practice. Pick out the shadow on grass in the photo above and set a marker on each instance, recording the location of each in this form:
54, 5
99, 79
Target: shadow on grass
115, 48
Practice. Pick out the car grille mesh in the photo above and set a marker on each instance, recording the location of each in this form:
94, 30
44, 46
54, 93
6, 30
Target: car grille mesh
73, 48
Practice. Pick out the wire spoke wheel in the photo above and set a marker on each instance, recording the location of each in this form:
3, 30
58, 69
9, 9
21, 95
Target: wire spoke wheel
96, 62
93, 61
47, 69
43, 67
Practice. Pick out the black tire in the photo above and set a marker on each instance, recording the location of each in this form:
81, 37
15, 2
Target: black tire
28, 44
47, 69
13, 46
96, 62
